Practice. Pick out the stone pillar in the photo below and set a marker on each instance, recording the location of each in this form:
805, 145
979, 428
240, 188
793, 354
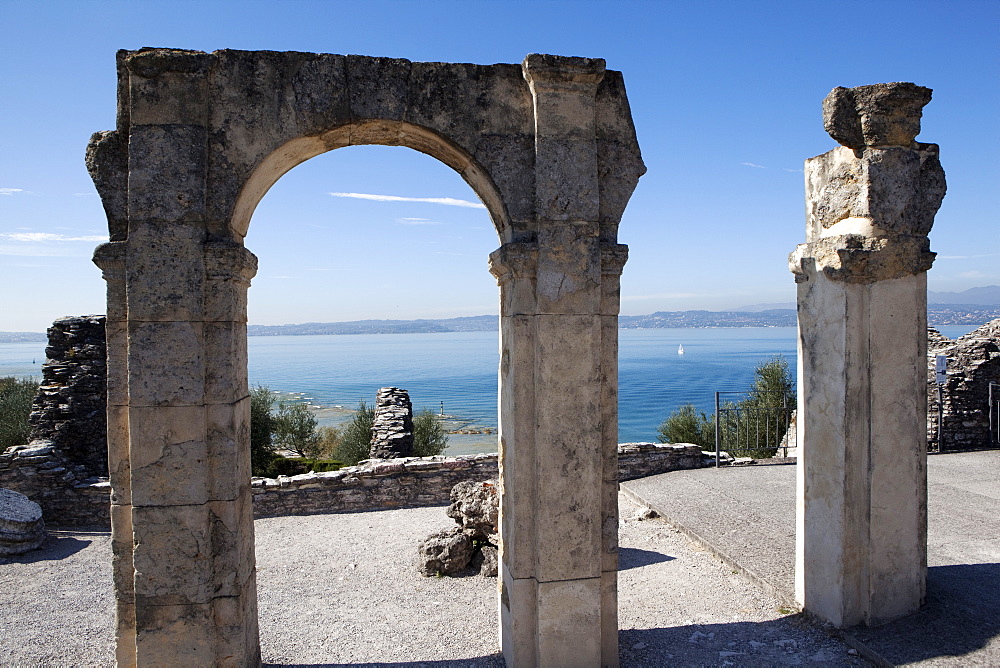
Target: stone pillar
558, 431
188, 403
110, 257
861, 547
392, 428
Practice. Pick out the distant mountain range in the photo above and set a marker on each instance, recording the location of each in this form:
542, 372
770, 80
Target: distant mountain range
970, 307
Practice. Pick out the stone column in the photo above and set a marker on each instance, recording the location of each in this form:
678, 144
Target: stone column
861, 547
110, 257
557, 600
188, 405
392, 428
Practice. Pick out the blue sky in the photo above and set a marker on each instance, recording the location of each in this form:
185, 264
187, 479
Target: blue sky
725, 96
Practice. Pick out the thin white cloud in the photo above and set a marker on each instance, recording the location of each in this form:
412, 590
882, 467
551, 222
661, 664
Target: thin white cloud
966, 257
417, 221
37, 237
974, 274
11, 191
794, 171
750, 164
447, 201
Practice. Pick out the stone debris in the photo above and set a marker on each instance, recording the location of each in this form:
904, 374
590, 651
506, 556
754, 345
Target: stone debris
392, 430
475, 506
445, 552
21, 526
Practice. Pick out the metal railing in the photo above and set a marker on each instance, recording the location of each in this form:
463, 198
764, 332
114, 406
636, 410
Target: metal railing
750, 431
995, 413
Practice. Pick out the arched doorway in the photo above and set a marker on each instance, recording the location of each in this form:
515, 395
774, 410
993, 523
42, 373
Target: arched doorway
550, 149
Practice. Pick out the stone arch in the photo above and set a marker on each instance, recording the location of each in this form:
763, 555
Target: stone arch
548, 145
297, 151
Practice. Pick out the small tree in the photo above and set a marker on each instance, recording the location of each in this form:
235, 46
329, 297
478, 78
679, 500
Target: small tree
261, 424
326, 444
687, 425
16, 396
356, 439
429, 437
294, 428
763, 413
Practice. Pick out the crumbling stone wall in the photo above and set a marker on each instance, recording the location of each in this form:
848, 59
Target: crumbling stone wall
392, 428
66, 492
70, 409
973, 363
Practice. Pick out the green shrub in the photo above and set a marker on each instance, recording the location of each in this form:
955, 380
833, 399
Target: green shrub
356, 438
16, 395
261, 421
429, 436
687, 425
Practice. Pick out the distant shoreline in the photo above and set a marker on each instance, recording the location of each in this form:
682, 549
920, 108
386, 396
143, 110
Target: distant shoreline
937, 315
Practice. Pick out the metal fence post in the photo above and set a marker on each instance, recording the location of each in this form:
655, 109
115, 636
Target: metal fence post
718, 433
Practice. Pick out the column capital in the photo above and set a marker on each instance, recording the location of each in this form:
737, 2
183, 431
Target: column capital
547, 72
110, 257
514, 260
229, 261
613, 259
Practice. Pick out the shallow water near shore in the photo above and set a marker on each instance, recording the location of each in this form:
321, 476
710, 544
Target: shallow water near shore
456, 373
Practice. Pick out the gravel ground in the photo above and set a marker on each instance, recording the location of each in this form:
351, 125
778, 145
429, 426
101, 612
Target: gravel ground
343, 589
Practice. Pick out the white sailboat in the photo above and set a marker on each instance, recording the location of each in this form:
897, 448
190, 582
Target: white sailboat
680, 349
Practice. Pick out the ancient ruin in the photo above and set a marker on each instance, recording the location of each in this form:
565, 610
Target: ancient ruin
70, 410
973, 363
549, 147
392, 428
862, 306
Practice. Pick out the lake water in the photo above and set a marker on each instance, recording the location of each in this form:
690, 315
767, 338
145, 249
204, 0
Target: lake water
459, 370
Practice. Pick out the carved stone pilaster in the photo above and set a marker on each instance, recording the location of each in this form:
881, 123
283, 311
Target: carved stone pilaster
229, 267
110, 257
515, 266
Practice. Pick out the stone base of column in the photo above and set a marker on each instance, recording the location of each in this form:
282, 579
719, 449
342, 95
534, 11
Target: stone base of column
862, 484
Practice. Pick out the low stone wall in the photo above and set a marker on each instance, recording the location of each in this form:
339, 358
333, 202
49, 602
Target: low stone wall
638, 460
427, 481
66, 492
69, 497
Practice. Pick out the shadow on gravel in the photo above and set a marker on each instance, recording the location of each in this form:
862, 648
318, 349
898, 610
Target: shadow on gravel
480, 661
786, 641
961, 615
54, 548
632, 557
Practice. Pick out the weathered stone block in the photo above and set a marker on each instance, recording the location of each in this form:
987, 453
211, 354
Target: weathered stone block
226, 377
169, 456
166, 364
167, 165
877, 115
569, 622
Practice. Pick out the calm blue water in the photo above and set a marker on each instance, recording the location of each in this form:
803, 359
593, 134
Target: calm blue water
460, 370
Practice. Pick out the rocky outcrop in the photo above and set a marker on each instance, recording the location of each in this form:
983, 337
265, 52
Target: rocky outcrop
392, 430
21, 526
70, 409
973, 363
475, 506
